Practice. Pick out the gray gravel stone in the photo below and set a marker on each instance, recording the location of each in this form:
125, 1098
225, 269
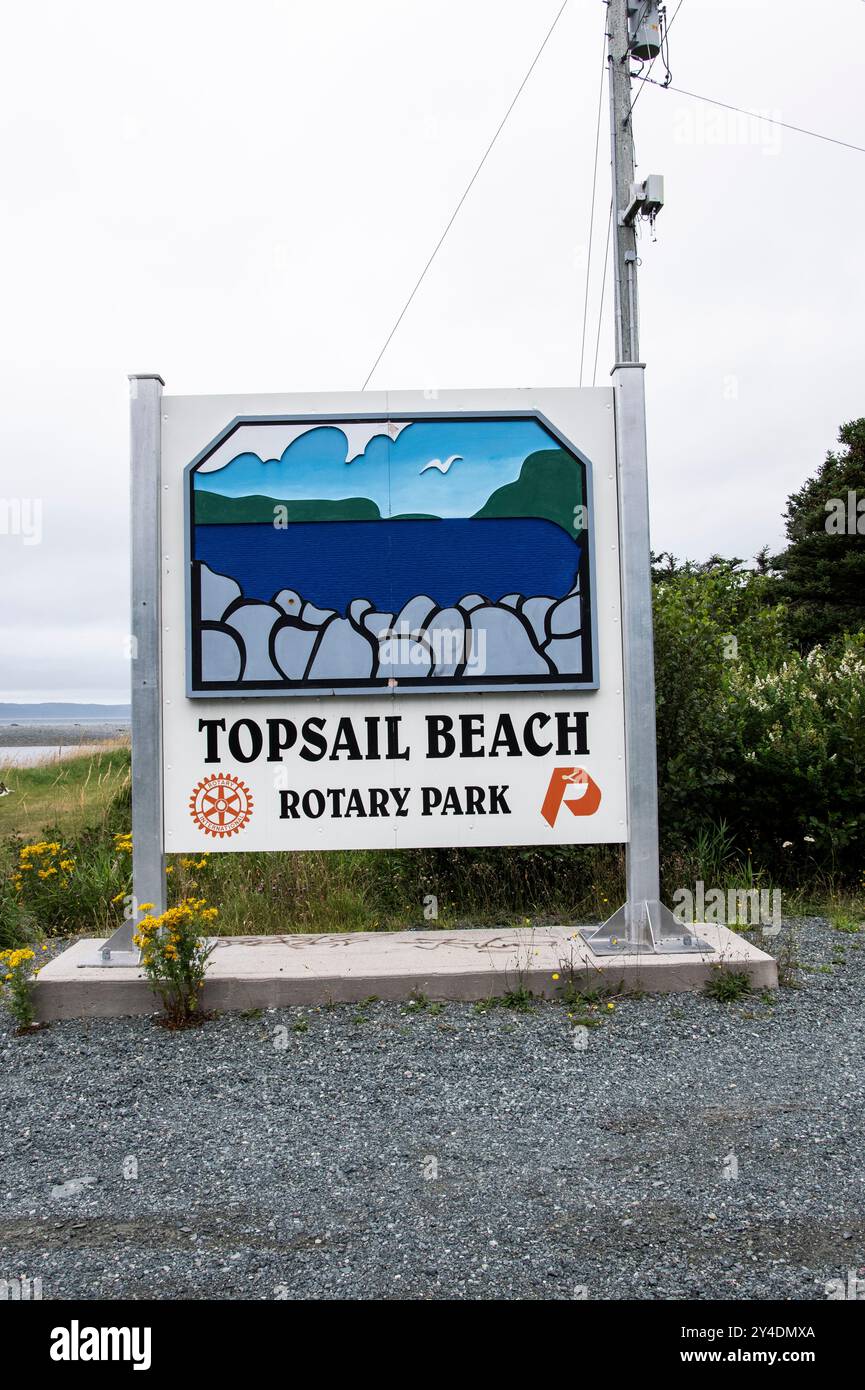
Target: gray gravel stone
377, 1152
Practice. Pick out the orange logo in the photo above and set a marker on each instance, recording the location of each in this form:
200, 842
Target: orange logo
221, 805
587, 796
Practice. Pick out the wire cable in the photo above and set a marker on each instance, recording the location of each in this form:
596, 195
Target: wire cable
757, 116
697, 96
468, 189
594, 191
603, 288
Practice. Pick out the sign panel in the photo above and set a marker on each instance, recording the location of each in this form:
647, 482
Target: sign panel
430, 553
391, 621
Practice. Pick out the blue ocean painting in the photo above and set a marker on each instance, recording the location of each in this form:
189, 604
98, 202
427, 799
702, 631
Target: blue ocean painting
469, 536
388, 562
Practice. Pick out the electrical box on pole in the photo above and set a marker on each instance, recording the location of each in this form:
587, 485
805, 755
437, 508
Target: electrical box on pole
644, 29
646, 200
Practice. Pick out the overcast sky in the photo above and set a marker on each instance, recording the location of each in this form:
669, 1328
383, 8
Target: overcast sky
240, 197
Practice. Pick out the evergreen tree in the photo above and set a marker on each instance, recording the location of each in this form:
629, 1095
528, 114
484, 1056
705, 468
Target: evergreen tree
822, 571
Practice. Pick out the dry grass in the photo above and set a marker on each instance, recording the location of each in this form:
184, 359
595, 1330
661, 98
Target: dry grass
71, 793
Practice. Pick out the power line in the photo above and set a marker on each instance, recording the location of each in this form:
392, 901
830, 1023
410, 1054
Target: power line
603, 287
756, 115
468, 189
594, 191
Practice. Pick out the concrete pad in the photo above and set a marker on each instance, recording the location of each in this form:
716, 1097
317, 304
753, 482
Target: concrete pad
264, 972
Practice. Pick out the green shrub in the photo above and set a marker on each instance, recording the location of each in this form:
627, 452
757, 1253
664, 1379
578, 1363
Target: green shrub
15, 927
756, 741
62, 888
727, 986
798, 757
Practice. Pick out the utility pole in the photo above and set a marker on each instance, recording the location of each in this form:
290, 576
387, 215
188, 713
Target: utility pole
642, 923
622, 144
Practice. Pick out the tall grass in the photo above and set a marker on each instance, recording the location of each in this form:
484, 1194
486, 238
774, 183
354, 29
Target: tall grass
387, 890
85, 801
73, 793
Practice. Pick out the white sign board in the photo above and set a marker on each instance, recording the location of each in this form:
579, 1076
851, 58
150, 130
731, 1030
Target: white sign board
391, 620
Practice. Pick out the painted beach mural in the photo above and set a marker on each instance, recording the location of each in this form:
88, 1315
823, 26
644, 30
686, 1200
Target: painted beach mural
363, 555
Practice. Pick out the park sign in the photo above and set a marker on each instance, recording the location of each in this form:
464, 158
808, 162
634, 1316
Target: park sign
388, 620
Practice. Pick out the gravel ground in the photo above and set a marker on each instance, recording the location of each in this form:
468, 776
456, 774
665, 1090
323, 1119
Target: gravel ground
375, 1152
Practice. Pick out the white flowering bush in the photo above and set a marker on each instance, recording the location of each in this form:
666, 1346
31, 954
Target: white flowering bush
800, 769
753, 734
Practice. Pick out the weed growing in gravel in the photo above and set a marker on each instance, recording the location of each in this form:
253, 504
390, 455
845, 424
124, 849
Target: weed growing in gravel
727, 986
521, 1000
174, 956
842, 921
584, 1020
787, 960
418, 1004
15, 972
573, 996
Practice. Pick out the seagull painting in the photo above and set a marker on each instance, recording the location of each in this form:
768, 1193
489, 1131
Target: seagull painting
442, 467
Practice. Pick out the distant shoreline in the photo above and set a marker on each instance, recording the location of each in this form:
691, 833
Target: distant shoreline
61, 711
65, 733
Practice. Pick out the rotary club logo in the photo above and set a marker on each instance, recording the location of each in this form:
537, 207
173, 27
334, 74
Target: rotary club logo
221, 805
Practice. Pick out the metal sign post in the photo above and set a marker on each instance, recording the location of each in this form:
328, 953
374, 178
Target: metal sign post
642, 922
148, 859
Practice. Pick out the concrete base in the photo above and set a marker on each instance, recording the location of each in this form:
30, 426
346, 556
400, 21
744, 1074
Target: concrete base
265, 972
